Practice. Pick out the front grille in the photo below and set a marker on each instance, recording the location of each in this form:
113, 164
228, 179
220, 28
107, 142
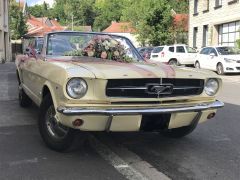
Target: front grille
137, 88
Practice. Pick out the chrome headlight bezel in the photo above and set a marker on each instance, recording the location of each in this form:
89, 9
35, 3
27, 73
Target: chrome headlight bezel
212, 86
76, 88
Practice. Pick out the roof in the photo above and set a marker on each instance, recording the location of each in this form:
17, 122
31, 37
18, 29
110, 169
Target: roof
181, 21
120, 27
81, 28
41, 26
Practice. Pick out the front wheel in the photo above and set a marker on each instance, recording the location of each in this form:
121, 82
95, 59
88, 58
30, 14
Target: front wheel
197, 65
178, 132
24, 100
220, 69
56, 136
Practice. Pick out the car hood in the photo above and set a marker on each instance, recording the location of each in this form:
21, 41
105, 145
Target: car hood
233, 57
105, 69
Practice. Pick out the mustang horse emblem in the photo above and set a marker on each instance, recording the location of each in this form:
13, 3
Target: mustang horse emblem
159, 89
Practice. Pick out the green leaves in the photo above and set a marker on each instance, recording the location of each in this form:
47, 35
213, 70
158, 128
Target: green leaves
17, 23
152, 19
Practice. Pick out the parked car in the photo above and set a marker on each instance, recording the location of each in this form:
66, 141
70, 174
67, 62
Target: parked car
177, 54
221, 59
145, 51
102, 83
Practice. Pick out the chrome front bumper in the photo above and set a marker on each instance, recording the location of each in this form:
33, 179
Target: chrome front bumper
133, 111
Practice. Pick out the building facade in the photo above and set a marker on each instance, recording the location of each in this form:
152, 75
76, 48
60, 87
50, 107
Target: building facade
213, 22
5, 50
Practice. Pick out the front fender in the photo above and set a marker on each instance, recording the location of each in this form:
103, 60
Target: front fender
54, 91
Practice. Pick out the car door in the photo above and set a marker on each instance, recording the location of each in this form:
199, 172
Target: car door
29, 72
191, 54
213, 59
181, 55
203, 57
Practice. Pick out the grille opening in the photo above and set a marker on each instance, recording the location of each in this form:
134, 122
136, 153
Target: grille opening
155, 122
136, 88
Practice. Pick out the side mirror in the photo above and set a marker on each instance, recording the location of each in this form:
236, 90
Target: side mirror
30, 52
212, 54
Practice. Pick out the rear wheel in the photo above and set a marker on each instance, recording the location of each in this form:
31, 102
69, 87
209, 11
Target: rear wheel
56, 136
173, 62
24, 100
197, 65
220, 69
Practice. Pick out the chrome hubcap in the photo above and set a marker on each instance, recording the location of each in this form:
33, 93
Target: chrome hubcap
55, 129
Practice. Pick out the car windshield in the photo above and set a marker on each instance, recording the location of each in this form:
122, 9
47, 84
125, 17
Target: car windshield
191, 50
228, 50
95, 45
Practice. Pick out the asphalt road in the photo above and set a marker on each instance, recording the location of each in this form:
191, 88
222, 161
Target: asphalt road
212, 151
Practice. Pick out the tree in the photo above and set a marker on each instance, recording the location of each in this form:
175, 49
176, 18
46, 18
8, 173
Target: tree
36, 10
108, 11
152, 20
17, 23
81, 11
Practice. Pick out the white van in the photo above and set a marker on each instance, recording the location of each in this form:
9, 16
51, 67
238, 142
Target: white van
177, 54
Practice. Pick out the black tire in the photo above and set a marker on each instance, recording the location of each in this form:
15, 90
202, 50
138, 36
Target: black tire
178, 132
24, 100
220, 69
173, 62
55, 135
197, 65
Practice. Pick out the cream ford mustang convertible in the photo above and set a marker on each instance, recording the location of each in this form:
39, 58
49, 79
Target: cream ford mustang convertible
99, 82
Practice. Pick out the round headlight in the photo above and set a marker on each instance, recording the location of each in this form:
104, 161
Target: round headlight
76, 88
211, 87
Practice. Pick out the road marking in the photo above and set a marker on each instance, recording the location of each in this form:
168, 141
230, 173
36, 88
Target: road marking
128, 164
25, 161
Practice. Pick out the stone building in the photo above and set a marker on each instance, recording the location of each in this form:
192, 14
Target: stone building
213, 22
5, 50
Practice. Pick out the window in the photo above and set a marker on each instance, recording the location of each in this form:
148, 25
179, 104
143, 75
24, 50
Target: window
205, 51
157, 49
195, 32
171, 49
232, 1
195, 6
191, 50
218, 3
180, 49
206, 6
205, 35
228, 33
213, 51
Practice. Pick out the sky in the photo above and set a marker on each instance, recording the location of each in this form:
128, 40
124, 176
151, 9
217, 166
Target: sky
33, 2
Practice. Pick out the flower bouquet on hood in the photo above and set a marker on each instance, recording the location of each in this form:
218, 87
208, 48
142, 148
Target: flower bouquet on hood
104, 47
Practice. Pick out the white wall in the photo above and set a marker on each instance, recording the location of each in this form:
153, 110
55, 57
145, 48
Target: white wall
212, 18
5, 50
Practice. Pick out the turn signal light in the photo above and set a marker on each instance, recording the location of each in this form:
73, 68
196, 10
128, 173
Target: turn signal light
211, 115
77, 122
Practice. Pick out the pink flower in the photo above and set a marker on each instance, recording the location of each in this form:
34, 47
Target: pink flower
104, 55
90, 53
116, 53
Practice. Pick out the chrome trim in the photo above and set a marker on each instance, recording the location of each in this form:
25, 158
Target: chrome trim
145, 88
133, 111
